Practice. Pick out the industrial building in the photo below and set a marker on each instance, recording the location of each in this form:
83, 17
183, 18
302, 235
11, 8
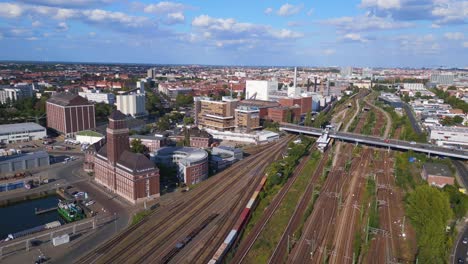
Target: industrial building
260, 89
192, 163
130, 175
437, 175
21, 132
23, 161
283, 113
443, 78
449, 136
69, 113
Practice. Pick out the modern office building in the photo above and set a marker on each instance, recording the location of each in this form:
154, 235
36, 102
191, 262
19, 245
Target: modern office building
69, 113
98, 97
219, 115
191, 163
133, 104
260, 89
130, 175
21, 132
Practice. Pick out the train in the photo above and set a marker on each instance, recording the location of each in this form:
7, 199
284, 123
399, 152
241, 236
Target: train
239, 225
33, 230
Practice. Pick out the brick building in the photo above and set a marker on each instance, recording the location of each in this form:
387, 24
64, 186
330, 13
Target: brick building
305, 103
438, 175
69, 113
280, 114
262, 106
130, 175
247, 118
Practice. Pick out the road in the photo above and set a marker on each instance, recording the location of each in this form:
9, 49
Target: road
412, 118
462, 171
378, 141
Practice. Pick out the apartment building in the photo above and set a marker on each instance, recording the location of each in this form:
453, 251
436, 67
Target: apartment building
247, 118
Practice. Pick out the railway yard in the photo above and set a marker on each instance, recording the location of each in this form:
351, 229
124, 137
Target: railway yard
190, 229
357, 211
343, 206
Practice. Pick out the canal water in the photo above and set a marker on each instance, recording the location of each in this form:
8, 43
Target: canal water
21, 216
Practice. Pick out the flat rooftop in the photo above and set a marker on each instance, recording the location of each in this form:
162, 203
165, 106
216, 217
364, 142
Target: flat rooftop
437, 169
20, 128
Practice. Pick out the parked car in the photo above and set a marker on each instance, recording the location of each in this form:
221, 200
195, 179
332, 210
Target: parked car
465, 240
89, 203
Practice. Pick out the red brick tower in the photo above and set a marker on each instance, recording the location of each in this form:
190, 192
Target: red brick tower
117, 136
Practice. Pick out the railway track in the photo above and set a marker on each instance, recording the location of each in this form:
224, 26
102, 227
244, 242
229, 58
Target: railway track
247, 244
134, 244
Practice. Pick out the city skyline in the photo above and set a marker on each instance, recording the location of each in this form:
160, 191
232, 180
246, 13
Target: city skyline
366, 33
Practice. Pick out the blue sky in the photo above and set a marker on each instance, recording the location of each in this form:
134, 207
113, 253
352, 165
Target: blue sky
374, 33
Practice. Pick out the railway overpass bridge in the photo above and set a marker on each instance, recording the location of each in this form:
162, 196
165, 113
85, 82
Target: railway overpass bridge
377, 141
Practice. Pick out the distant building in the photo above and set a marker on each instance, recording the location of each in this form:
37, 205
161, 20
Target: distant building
262, 106
151, 73
21, 132
391, 99
437, 175
281, 114
15, 93
130, 175
172, 92
346, 71
305, 103
191, 163
132, 104
443, 78
69, 113
259, 89
23, 162
98, 97
153, 143
449, 136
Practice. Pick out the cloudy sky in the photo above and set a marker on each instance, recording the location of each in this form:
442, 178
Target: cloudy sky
413, 33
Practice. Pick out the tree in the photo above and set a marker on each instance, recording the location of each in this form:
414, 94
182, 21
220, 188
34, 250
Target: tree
184, 100
186, 138
308, 119
163, 123
137, 147
188, 120
289, 117
429, 211
457, 119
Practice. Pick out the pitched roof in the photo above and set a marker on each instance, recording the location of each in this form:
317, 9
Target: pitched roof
68, 99
136, 162
117, 115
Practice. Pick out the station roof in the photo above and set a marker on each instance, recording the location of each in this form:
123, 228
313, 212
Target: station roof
20, 128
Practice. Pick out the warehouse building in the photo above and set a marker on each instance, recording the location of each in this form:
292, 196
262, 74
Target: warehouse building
21, 132
23, 162
391, 99
192, 163
449, 136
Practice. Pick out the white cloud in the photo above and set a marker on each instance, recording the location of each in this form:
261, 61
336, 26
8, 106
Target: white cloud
175, 18
365, 23
230, 28
416, 44
465, 44
289, 10
354, 37
328, 52
62, 26
32, 38
286, 34
92, 34
68, 3
382, 4
310, 12
454, 35
9, 10
450, 11
165, 7
268, 11
36, 23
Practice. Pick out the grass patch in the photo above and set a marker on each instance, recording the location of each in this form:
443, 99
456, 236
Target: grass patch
266, 242
138, 217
